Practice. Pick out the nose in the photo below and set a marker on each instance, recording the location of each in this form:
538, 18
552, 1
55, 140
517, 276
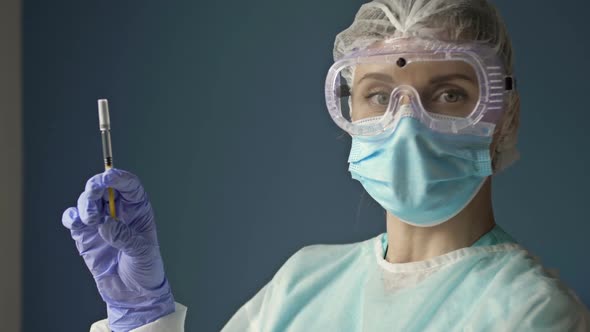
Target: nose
405, 100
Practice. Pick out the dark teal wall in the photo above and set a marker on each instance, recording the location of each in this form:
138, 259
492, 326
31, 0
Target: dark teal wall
219, 108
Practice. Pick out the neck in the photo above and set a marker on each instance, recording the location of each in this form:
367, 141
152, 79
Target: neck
407, 243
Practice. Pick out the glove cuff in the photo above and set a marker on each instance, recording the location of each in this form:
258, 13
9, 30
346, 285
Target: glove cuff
128, 317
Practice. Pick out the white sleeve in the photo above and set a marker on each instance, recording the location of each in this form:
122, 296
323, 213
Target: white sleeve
173, 322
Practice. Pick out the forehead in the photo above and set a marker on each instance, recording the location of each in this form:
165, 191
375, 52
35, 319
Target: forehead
419, 70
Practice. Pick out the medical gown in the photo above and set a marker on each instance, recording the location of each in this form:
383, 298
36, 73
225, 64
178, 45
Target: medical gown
494, 285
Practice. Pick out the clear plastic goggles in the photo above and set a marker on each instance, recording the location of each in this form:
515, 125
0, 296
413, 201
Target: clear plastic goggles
453, 88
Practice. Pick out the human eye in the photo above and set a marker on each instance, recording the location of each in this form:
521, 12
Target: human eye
450, 96
378, 97
449, 100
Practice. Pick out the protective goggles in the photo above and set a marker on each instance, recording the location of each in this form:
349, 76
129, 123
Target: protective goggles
452, 88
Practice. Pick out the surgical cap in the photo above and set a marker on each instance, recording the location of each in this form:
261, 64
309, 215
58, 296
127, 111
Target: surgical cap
450, 20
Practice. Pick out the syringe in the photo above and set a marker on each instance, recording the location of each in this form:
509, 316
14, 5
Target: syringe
107, 152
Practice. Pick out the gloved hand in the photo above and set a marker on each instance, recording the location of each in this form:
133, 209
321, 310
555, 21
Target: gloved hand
123, 255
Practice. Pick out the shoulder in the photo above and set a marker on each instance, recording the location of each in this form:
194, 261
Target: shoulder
546, 302
324, 259
536, 298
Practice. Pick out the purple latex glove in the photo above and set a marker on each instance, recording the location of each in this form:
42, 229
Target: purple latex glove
123, 255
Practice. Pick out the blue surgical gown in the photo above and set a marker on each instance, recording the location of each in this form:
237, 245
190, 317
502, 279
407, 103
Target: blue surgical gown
494, 285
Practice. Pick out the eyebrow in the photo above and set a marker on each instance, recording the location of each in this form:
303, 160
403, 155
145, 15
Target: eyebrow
377, 76
450, 77
434, 80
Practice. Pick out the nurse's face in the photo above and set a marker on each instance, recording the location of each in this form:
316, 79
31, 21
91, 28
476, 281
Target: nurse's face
446, 88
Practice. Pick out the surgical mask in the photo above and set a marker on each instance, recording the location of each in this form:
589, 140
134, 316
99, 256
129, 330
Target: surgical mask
421, 176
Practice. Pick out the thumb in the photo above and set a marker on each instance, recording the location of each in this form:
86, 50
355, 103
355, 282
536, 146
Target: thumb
120, 236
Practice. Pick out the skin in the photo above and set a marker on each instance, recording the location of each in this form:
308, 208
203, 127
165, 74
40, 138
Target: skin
409, 243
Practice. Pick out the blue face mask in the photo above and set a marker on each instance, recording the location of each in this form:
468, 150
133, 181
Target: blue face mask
421, 176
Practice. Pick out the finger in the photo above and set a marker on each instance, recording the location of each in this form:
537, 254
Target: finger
126, 184
90, 205
95, 187
71, 219
83, 235
97, 254
91, 210
120, 236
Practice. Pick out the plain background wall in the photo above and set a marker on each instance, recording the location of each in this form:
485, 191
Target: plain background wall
10, 165
219, 108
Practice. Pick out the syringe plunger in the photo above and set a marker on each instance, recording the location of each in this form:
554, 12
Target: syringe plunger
103, 115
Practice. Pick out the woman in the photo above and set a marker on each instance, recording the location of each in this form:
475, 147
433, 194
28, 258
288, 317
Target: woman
425, 90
